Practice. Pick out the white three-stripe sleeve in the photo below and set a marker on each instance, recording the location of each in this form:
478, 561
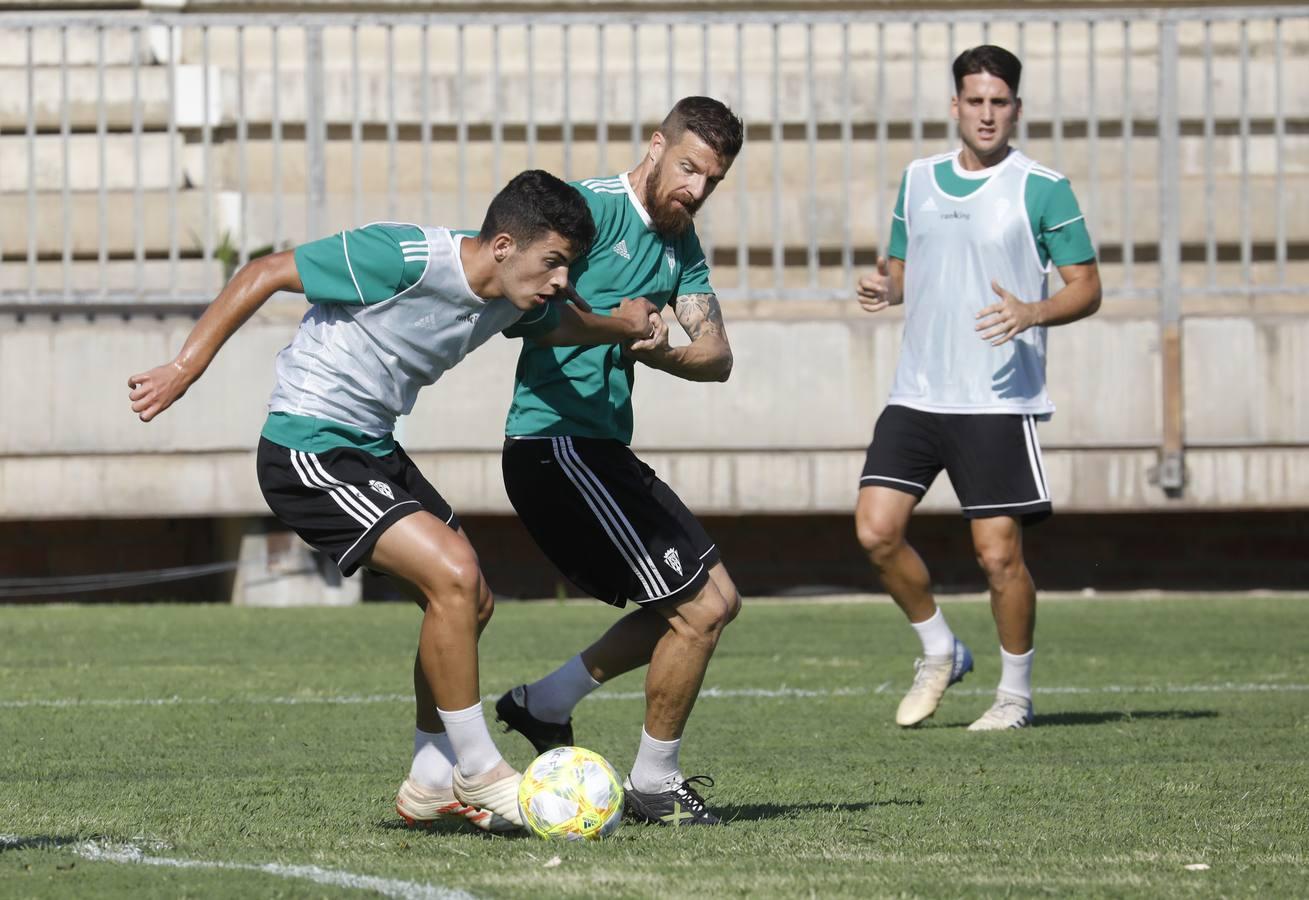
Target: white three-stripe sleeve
619, 517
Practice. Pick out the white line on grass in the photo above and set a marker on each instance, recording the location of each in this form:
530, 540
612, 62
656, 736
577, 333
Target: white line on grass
99, 851
779, 693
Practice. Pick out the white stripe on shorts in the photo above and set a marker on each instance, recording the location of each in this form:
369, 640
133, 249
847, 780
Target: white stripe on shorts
1034, 457
342, 500
605, 518
359, 496
620, 518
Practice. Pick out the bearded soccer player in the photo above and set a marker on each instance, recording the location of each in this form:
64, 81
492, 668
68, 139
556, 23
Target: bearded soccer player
974, 235
598, 512
394, 307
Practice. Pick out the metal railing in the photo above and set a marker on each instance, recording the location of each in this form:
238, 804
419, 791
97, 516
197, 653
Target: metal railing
143, 156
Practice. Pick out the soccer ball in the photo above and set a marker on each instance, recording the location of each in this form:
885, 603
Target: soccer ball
571, 794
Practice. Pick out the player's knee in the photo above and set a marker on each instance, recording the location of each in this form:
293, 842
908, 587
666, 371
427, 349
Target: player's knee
485, 605
702, 618
733, 599
731, 596
878, 538
456, 582
1000, 560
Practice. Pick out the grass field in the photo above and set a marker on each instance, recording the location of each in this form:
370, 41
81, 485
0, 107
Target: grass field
255, 753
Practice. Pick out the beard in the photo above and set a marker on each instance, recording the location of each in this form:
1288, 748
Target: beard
668, 218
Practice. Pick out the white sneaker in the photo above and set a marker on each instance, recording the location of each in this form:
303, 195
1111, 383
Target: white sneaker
1008, 711
421, 806
497, 797
932, 675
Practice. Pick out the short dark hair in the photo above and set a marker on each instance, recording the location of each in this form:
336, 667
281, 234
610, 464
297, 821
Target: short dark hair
534, 203
708, 119
990, 59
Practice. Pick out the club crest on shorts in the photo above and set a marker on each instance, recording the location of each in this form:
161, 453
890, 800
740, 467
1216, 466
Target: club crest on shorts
382, 488
672, 560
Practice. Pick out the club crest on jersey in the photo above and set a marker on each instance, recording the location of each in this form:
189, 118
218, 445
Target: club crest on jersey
672, 560
382, 488
670, 254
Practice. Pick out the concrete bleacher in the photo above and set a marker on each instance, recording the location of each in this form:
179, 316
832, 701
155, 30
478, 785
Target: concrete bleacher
785, 435
389, 92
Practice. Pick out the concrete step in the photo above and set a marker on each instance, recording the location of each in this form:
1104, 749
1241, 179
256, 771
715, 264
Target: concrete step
80, 46
517, 94
720, 221
83, 93
83, 214
124, 162
86, 277
755, 166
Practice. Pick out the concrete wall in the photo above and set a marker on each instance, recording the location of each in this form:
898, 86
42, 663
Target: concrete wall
785, 434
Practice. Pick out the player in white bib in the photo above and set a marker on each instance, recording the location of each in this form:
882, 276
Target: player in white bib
974, 235
395, 306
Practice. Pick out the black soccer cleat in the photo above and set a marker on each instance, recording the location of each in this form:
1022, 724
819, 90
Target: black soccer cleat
680, 806
511, 709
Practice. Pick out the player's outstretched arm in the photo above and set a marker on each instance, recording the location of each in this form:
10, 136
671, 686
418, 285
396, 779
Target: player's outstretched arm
155, 390
707, 358
635, 319
1010, 316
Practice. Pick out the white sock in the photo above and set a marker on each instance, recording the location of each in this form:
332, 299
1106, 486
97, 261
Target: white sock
434, 760
656, 768
473, 748
1016, 673
935, 633
553, 697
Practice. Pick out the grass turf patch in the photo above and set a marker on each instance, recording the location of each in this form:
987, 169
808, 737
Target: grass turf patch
1170, 732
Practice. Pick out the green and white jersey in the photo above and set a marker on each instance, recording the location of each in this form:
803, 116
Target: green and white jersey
392, 311
587, 391
957, 231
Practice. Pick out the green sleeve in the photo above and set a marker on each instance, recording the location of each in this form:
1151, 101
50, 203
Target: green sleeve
695, 268
534, 323
365, 265
899, 244
1061, 230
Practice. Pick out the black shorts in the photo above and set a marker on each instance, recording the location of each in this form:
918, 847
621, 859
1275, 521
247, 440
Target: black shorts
342, 500
606, 520
994, 461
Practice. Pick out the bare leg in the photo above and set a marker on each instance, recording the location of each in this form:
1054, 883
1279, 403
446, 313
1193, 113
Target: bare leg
680, 659
425, 715
881, 518
999, 545
441, 563
631, 641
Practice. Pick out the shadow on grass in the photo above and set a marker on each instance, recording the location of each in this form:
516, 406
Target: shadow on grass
757, 811
1126, 715
36, 842
445, 826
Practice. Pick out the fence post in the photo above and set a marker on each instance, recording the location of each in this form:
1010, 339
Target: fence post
315, 135
1170, 474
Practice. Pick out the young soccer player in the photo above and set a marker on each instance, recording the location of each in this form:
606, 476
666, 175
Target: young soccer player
974, 234
394, 307
603, 517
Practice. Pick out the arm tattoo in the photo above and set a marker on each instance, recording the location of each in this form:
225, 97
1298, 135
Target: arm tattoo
699, 315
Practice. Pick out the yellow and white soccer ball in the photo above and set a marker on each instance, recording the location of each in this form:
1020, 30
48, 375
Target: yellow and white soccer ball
571, 794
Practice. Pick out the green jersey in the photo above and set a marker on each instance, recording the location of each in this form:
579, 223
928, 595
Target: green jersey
391, 312
587, 391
